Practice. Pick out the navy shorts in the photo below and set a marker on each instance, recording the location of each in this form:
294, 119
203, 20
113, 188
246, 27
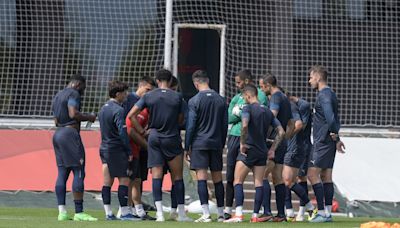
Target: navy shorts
281, 152
304, 166
117, 163
162, 149
295, 157
202, 159
233, 152
253, 159
68, 147
323, 154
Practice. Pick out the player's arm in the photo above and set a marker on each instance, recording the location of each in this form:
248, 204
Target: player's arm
73, 104
305, 113
295, 125
280, 134
326, 104
134, 112
121, 126
233, 119
190, 124
274, 105
244, 133
182, 118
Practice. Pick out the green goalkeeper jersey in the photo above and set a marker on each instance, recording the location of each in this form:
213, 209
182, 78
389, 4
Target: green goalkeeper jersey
236, 120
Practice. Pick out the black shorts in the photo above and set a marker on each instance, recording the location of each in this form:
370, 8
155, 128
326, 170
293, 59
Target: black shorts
117, 163
202, 159
295, 157
68, 147
253, 159
162, 149
134, 168
233, 152
281, 152
323, 154
143, 169
304, 166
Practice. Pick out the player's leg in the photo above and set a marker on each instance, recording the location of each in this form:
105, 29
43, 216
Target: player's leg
176, 167
106, 190
258, 173
233, 151
280, 192
77, 191
302, 181
289, 175
173, 215
314, 178
267, 215
202, 190
216, 165
241, 171
123, 190
200, 163
60, 190
156, 162
326, 176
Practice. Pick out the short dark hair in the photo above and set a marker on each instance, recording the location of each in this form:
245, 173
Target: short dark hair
148, 80
164, 75
245, 74
201, 76
115, 87
250, 88
174, 82
321, 70
78, 78
270, 79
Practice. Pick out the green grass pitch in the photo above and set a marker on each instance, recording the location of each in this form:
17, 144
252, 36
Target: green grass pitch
44, 217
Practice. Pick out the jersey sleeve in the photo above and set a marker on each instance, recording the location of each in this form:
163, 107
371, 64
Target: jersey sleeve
191, 122
305, 112
295, 112
327, 107
246, 113
74, 100
275, 102
141, 104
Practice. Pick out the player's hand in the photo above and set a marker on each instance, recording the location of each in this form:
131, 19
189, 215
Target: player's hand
187, 155
271, 154
92, 117
243, 149
236, 110
130, 158
333, 136
340, 147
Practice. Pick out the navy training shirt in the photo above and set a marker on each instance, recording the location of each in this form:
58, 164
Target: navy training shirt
306, 118
164, 106
260, 119
325, 119
281, 103
207, 122
130, 101
295, 143
61, 101
114, 138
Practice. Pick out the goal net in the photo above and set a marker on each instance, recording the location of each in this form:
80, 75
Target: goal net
44, 42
